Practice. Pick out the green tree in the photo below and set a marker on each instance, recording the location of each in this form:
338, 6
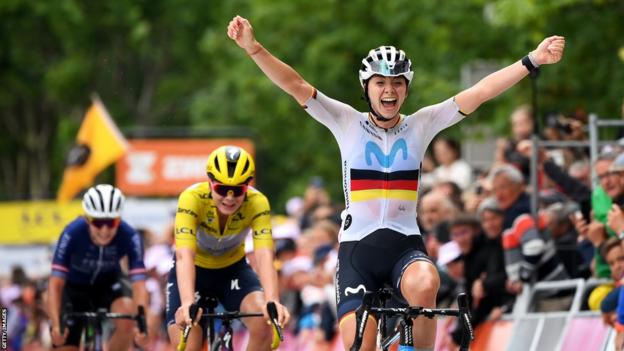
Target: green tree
167, 63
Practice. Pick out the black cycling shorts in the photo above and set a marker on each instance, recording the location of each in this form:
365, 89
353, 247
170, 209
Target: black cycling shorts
90, 298
379, 259
229, 285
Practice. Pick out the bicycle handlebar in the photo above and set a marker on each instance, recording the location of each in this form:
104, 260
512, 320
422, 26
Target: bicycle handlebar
102, 314
271, 310
372, 298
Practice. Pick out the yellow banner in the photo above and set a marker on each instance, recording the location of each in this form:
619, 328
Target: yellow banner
35, 222
98, 144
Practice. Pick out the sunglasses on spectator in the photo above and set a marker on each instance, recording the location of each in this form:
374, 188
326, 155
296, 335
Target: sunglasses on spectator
101, 222
225, 190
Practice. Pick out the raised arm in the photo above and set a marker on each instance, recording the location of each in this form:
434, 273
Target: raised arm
281, 74
549, 51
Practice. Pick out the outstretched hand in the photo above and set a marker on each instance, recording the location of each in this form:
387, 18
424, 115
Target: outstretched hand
241, 32
550, 50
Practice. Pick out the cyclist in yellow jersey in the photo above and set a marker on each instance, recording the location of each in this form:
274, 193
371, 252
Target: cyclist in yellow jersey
212, 221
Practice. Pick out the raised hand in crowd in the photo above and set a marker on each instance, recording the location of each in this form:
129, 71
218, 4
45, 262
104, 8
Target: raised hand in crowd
514, 287
615, 219
478, 291
580, 224
525, 148
596, 233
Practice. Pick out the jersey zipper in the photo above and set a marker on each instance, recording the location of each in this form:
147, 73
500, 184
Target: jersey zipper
98, 266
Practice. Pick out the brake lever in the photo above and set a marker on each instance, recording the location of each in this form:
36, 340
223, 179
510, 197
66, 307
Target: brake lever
272, 311
464, 316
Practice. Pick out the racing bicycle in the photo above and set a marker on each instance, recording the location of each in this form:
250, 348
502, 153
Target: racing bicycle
93, 332
373, 304
224, 340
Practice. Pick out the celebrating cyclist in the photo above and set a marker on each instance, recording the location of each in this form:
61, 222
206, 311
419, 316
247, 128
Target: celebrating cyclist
381, 155
211, 224
86, 271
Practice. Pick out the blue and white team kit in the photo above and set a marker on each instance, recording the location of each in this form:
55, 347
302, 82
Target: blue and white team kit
380, 173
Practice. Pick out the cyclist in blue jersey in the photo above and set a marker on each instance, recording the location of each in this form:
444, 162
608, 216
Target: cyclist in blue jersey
87, 274
381, 154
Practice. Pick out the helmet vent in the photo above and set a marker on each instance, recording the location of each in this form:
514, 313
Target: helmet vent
100, 198
246, 167
103, 201
92, 202
110, 201
231, 169
118, 205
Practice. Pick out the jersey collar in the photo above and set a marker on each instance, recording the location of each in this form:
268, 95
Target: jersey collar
373, 122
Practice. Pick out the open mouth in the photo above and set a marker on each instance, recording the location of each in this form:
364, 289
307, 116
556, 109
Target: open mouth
388, 102
229, 206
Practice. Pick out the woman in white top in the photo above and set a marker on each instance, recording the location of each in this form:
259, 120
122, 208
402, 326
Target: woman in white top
447, 153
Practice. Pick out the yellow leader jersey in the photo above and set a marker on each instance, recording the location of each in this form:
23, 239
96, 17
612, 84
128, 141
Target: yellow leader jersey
197, 226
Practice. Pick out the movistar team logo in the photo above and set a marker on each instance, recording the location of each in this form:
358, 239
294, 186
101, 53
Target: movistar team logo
383, 159
352, 291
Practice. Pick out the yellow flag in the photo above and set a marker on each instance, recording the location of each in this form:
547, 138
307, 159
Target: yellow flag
99, 143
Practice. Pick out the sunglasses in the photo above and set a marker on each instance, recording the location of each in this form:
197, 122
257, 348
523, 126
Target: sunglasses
225, 190
382, 67
101, 222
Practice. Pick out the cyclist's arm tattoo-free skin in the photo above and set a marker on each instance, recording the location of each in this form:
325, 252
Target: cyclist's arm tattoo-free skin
278, 72
55, 292
185, 271
549, 51
139, 293
266, 273
185, 242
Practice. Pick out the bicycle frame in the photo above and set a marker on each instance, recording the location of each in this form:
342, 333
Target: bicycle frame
225, 339
94, 324
373, 303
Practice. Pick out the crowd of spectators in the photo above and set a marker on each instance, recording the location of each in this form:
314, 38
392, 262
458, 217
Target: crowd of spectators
478, 228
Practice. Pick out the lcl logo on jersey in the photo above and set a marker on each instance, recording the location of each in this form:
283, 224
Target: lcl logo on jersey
383, 159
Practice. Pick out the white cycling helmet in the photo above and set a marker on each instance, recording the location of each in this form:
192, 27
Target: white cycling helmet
103, 201
386, 61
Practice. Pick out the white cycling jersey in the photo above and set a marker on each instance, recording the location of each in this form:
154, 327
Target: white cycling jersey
380, 167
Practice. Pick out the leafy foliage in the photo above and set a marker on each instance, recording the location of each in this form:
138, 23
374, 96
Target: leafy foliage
166, 63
